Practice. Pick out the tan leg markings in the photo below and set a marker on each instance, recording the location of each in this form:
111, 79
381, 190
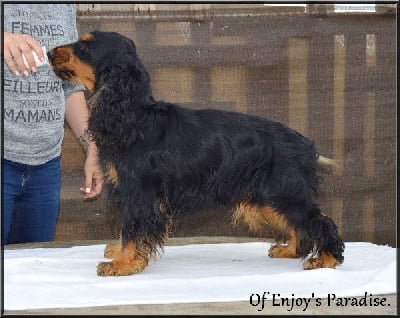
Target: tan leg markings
250, 215
285, 251
128, 261
113, 249
256, 217
326, 260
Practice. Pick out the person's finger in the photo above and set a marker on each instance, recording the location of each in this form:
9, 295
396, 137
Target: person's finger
36, 47
29, 59
21, 48
97, 185
86, 190
10, 62
95, 190
88, 182
16, 54
93, 184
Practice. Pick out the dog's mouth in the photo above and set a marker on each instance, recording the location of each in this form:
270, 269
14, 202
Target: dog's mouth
64, 73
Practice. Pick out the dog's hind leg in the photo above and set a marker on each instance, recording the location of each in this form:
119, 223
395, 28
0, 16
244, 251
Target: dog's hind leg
285, 251
317, 234
278, 221
328, 246
257, 217
308, 233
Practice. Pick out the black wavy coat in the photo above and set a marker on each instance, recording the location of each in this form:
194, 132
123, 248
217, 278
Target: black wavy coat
171, 160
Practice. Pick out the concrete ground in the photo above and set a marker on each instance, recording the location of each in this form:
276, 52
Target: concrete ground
225, 308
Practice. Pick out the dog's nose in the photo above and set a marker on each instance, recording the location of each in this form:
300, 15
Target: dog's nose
50, 54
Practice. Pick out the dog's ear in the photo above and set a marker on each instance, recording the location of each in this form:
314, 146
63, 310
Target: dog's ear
123, 91
126, 72
131, 47
135, 77
115, 104
112, 119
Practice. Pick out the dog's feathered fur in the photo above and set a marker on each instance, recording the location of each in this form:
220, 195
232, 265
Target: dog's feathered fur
162, 160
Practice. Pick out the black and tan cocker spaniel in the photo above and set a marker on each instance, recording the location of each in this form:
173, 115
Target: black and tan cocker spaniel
162, 160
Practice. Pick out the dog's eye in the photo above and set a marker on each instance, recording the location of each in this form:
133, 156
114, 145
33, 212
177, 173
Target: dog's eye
82, 49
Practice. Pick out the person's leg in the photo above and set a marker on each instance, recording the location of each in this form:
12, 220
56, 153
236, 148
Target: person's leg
12, 189
37, 211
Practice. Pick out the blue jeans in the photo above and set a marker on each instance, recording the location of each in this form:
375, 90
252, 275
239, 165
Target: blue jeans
31, 200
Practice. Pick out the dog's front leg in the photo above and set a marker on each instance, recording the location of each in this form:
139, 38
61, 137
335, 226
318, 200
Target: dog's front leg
144, 229
113, 249
127, 260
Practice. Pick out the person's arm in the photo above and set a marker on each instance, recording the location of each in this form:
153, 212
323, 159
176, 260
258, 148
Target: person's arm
17, 44
76, 115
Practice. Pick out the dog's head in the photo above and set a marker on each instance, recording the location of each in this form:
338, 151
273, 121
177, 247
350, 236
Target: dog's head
94, 59
106, 63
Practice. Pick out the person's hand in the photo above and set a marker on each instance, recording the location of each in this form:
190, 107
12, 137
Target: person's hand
17, 44
93, 174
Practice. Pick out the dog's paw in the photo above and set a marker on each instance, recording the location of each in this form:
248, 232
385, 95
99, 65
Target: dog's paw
326, 260
272, 250
116, 268
281, 251
106, 269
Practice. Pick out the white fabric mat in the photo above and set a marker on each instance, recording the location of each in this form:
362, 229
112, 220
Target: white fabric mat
66, 277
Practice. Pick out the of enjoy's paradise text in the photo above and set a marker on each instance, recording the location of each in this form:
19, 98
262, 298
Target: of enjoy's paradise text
261, 301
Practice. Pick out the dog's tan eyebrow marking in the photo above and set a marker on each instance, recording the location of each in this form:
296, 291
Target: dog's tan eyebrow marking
87, 37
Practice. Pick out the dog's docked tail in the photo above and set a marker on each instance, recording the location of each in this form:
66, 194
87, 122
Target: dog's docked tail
328, 164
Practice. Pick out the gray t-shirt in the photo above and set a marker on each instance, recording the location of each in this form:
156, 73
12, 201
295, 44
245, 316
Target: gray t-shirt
34, 106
